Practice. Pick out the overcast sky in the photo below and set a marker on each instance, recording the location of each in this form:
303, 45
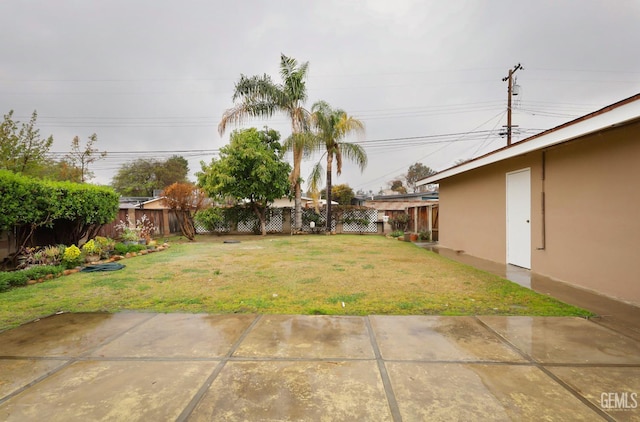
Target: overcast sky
153, 77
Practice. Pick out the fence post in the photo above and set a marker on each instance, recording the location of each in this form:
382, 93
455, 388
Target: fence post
286, 220
131, 213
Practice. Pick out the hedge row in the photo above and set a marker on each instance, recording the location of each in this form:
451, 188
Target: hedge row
34, 202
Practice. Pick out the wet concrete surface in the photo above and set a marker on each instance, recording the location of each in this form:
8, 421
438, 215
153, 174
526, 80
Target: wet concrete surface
611, 313
142, 366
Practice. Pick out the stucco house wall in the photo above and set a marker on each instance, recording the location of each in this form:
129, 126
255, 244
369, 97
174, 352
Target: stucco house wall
588, 234
593, 213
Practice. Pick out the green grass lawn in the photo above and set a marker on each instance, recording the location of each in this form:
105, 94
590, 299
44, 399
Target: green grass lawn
315, 274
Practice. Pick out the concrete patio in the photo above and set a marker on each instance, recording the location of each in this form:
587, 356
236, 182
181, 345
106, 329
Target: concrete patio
157, 367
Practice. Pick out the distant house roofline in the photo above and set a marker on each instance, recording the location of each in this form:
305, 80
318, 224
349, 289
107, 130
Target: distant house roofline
610, 116
414, 195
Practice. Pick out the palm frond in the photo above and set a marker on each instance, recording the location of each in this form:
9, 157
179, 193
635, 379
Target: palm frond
256, 96
354, 153
293, 77
315, 178
242, 112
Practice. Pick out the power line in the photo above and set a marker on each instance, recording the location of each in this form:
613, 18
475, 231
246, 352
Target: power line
433, 152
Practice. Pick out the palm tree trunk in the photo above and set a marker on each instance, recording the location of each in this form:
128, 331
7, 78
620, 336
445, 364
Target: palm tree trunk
329, 165
297, 223
294, 178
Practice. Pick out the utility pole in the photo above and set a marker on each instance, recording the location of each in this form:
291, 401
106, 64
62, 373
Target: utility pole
509, 93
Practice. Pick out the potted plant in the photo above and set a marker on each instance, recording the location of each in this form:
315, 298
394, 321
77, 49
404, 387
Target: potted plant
91, 251
106, 245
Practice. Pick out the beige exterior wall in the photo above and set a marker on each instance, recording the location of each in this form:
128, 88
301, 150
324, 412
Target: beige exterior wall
592, 224
155, 204
473, 208
593, 214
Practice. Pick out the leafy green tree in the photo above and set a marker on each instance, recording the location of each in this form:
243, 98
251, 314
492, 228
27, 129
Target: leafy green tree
78, 160
331, 126
22, 149
397, 186
259, 96
417, 171
141, 177
342, 194
249, 169
173, 170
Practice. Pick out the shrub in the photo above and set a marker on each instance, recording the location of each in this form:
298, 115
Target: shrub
72, 210
91, 248
30, 256
21, 277
397, 233
41, 271
13, 278
106, 246
212, 219
145, 227
425, 235
122, 249
400, 222
71, 256
127, 234
53, 254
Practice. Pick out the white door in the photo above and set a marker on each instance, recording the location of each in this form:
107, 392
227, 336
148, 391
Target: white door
519, 218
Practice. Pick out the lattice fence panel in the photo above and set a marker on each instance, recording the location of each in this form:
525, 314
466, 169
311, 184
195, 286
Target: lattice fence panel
360, 221
275, 220
274, 223
320, 220
219, 228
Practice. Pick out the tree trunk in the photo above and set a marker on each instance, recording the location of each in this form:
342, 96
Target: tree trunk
261, 213
297, 224
185, 223
329, 165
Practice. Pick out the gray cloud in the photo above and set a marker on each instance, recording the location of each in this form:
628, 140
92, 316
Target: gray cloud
157, 75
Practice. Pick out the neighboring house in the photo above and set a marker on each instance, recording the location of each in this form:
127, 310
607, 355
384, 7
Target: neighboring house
306, 202
564, 203
422, 208
134, 208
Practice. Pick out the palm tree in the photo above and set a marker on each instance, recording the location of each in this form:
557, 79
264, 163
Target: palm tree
259, 96
331, 126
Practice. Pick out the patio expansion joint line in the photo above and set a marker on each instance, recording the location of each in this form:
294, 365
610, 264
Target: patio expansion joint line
188, 410
114, 337
505, 341
36, 381
548, 373
386, 381
69, 361
576, 394
295, 359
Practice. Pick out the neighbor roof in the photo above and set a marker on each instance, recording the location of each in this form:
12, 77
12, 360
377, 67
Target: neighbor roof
614, 115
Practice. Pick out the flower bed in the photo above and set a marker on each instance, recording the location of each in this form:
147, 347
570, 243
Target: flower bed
40, 264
